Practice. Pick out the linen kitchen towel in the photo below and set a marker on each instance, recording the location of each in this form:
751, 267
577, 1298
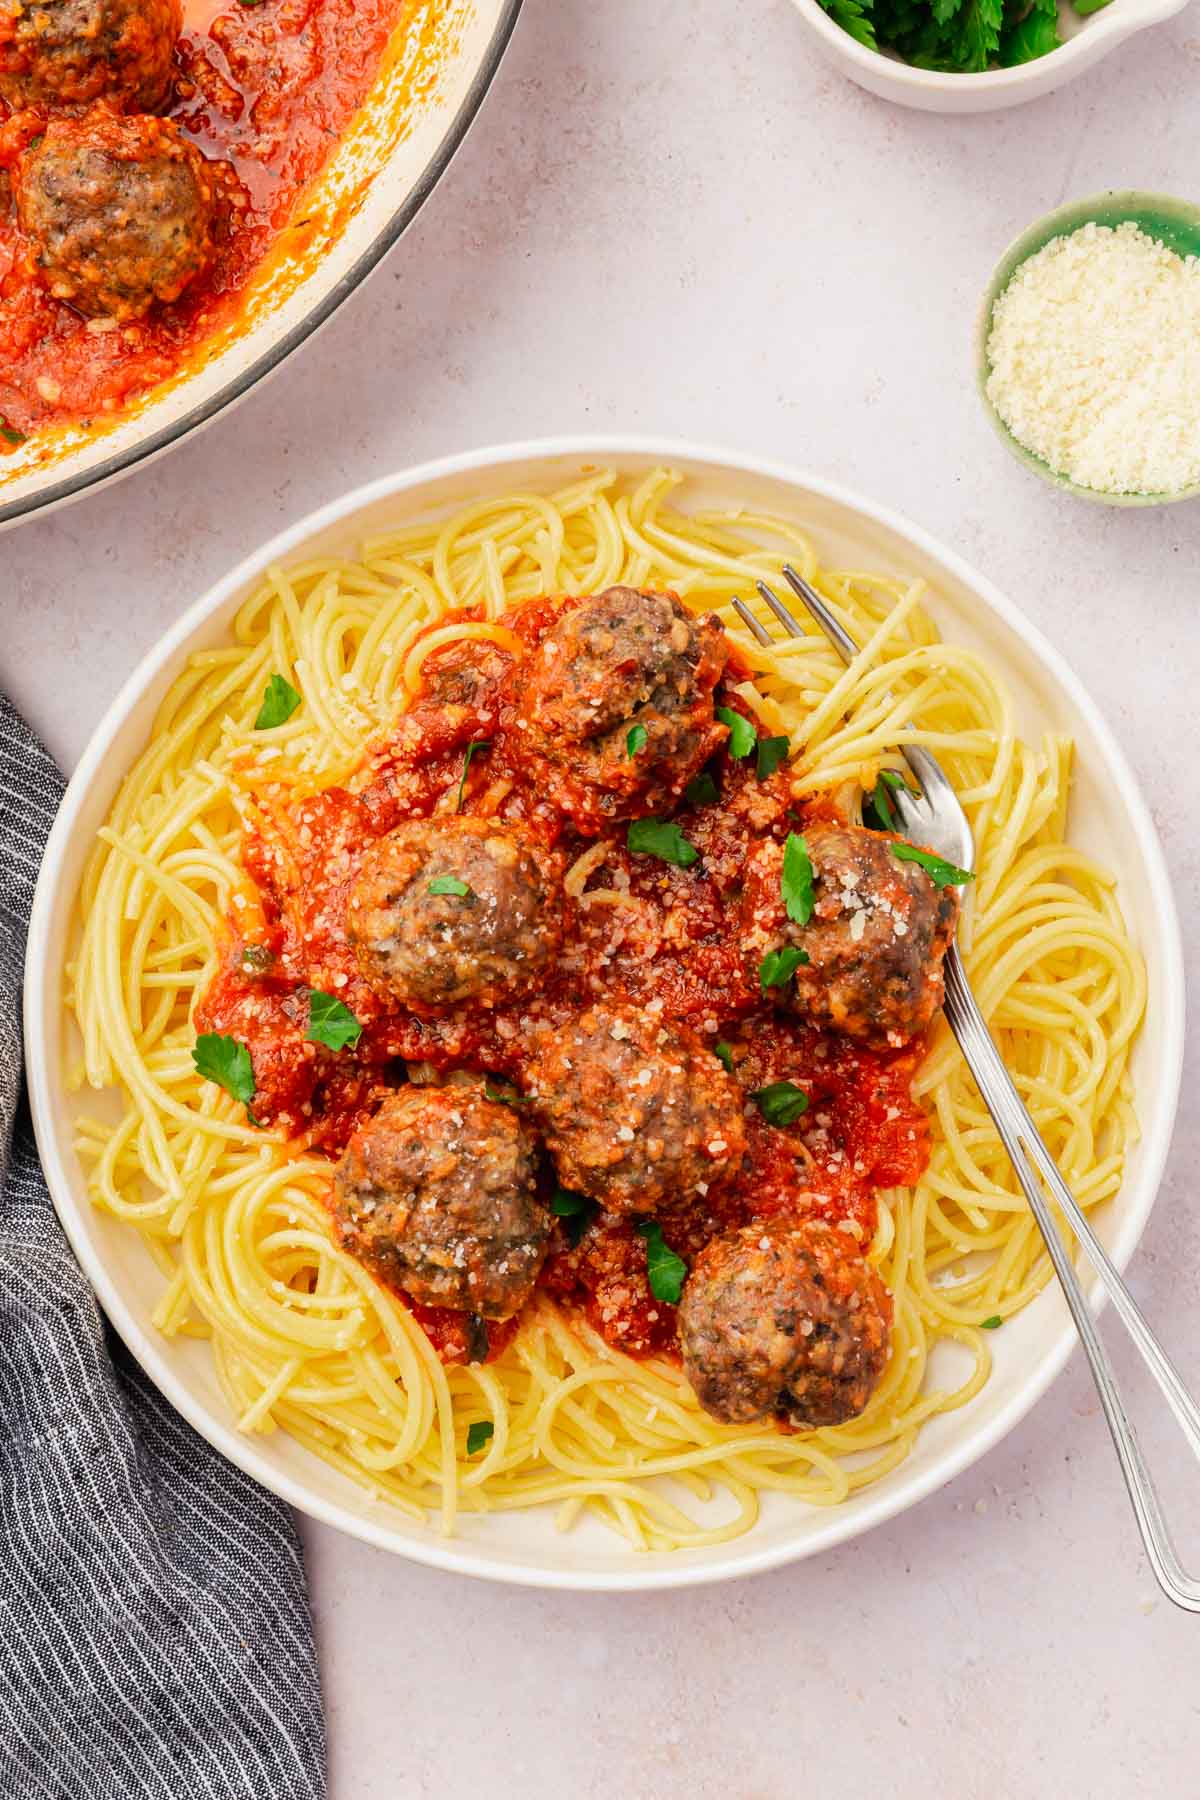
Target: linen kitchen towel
155, 1637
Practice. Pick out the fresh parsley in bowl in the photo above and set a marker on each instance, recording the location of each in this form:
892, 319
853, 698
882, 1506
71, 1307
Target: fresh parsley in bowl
968, 56
957, 36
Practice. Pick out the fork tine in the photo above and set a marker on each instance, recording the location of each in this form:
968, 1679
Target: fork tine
789, 622
841, 640
751, 623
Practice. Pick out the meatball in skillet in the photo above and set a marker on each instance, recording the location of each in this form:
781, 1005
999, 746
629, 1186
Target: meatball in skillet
72, 52
876, 940
783, 1318
119, 211
634, 1113
435, 1195
616, 661
452, 909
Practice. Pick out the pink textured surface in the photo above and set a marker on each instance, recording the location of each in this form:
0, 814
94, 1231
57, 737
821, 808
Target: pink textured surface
675, 219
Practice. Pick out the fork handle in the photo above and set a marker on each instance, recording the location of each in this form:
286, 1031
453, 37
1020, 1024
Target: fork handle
1030, 1158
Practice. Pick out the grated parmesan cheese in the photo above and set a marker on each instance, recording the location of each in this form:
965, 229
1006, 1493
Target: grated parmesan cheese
1095, 358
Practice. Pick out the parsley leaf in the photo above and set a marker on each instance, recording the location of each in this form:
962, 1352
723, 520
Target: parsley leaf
330, 1023
472, 747
575, 1211
664, 1269
781, 1102
483, 1430
778, 966
771, 752
724, 1054
636, 739
280, 701
853, 16
742, 735
942, 873
505, 1096
228, 1063
796, 882
449, 884
661, 838
10, 434
992, 1324
702, 791
878, 812
1033, 36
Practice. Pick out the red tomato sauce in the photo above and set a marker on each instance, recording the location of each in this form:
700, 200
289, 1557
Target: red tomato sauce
267, 90
680, 953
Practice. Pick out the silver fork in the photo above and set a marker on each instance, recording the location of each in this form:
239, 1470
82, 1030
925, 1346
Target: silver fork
934, 818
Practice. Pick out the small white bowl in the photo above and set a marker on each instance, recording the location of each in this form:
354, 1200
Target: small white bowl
1110, 820
1087, 40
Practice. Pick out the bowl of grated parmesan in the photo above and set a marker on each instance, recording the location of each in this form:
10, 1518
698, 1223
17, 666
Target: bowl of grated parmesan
1088, 348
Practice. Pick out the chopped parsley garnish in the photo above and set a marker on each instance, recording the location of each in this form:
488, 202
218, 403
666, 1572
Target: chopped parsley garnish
330, 1023
878, 812
778, 966
505, 1096
483, 1430
664, 1268
942, 873
228, 1063
796, 883
636, 739
702, 790
280, 701
771, 752
781, 1103
472, 747
724, 1054
256, 957
10, 434
449, 884
742, 735
992, 1324
575, 1211
661, 838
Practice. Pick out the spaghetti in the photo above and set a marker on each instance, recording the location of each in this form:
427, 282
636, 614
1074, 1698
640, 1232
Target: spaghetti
305, 1340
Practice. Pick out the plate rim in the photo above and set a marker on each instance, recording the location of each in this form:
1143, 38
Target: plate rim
156, 443
42, 999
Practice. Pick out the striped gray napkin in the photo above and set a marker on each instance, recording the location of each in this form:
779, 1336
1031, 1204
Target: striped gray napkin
155, 1638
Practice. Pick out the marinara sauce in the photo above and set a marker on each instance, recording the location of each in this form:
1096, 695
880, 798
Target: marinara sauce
267, 89
676, 953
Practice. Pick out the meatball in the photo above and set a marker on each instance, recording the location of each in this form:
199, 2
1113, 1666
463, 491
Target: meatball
782, 1318
876, 940
119, 211
72, 52
452, 909
619, 660
435, 1195
633, 1113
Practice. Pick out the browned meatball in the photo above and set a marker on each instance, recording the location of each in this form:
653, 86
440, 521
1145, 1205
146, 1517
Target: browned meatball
420, 938
71, 52
782, 1317
435, 1195
615, 661
119, 211
876, 940
633, 1113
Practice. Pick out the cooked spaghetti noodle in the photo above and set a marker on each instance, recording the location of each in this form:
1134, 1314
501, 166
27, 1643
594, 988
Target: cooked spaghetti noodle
305, 1340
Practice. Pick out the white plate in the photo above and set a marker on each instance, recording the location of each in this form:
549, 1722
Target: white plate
382, 172
1109, 818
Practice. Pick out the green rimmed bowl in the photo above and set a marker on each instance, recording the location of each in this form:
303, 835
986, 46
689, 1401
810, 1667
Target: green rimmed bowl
1175, 223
